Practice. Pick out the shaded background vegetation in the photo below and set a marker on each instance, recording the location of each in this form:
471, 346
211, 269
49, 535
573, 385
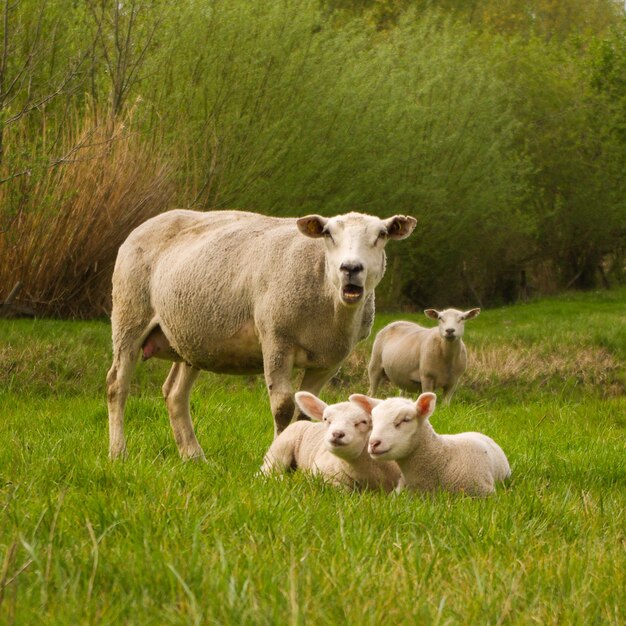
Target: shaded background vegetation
500, 125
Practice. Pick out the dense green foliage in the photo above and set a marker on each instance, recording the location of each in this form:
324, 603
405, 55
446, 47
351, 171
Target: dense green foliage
155, 541
499, 125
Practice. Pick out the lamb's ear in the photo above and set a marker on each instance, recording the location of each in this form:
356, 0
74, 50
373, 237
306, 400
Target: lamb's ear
425, 405
365, 402
312, 225
310, 405
432, 313
399, 226
471, 314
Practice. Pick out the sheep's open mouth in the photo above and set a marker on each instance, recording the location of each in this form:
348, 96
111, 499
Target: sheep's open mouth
351, 293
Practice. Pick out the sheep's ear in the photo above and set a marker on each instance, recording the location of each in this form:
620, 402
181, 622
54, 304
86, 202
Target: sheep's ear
425, 405
432, 313
312, 225
399, 226
310, 405
365, 402
471, 314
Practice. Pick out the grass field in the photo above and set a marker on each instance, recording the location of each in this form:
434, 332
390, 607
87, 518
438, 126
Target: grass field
153, 540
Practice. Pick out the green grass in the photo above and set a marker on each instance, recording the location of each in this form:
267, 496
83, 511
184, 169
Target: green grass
153, 540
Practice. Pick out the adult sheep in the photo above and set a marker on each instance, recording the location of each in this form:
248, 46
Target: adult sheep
241, 293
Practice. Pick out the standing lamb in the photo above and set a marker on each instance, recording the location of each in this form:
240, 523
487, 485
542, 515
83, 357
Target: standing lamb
469, 463
414, 357
242, 293
336, 447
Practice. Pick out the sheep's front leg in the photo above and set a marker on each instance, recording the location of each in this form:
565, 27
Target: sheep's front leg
448, 392
278, 363
177, 392
428, 383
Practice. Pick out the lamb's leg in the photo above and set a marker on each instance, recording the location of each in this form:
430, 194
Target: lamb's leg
313, 381
280, 457
177, 391
118, 385
428, 384
375, 371
278, 367
448, 392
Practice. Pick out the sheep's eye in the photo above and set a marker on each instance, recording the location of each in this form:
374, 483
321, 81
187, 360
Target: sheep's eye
327, 234
382, 235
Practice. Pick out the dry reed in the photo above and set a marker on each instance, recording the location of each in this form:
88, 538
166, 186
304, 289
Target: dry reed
61, 240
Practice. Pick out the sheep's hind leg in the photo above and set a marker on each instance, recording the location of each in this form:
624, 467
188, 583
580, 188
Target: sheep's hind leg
375, 371
177, 392
118, 385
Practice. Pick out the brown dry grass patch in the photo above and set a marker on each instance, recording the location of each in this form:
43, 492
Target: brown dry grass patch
61, 239
519, 366
507, 365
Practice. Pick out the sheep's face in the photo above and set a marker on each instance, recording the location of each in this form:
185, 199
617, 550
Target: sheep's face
451, 321
355, 249
397, 426
347, 425
347, 430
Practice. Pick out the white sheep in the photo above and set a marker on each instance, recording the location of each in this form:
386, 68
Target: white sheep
469, 463
335, 447
416, 358
242, 293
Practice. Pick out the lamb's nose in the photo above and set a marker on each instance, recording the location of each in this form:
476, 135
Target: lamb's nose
351, 268
374, 443
450, 332
338, 434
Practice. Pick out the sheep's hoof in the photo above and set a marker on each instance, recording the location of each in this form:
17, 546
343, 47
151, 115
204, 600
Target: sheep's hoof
196, 455
117, 452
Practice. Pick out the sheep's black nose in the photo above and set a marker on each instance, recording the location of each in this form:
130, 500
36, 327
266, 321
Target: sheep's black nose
351, 268
449, 332
338, 434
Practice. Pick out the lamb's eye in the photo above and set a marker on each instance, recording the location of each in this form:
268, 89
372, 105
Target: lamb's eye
328, 236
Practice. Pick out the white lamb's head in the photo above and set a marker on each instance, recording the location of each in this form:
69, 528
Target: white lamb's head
347, 425
396, 424
451, 321
355, 249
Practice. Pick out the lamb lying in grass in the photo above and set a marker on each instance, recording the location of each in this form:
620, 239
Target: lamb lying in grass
469, 463
417, 358
335, 447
